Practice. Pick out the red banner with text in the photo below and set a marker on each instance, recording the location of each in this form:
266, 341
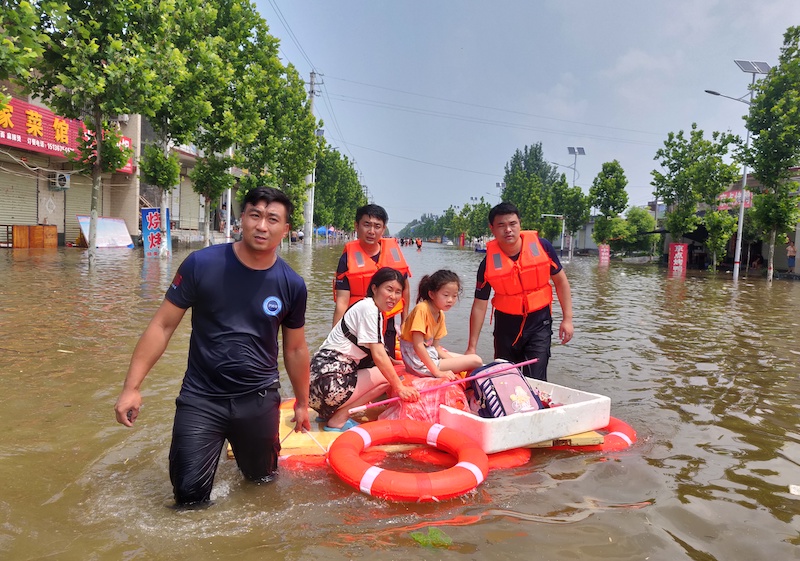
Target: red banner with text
30, 127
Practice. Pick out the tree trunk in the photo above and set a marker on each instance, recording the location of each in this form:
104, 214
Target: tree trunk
770, 262
747, 263
97, 184
714, 265
207, 228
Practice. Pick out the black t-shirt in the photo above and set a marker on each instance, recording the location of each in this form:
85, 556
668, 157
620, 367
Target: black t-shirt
236, 315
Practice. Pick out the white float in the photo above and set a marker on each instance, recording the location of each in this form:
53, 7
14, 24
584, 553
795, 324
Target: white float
578, 412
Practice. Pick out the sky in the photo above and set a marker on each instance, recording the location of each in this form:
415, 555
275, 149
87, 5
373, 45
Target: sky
430, 99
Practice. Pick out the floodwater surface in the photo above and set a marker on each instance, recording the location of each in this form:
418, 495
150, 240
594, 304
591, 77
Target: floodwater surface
705, 370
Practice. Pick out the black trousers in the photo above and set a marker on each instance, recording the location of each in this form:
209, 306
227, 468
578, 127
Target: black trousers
201, 426
533, 343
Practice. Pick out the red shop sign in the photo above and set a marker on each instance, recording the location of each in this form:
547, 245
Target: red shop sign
33, 128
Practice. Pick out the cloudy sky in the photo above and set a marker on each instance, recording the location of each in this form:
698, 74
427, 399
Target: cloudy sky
431, 98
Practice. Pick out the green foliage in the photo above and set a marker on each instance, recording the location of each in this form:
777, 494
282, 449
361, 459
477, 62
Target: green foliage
434, 538
774, 121
640, 222
694, 171
21, 43
337, 192
572, 204
210, 177
113, 155
529, 180
608, 190
97, 63
721, 225
613, 231
159, 169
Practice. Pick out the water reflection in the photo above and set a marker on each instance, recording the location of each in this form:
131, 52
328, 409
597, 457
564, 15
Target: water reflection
704, 370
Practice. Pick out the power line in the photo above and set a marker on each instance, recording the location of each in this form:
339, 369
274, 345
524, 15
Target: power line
496, 108
291, 33
480, 120
421, 161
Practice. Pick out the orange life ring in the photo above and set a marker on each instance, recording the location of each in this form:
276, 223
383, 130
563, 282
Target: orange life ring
619, 436
470, 471
500, 460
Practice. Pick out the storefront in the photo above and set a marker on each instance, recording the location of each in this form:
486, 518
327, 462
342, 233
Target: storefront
39, 185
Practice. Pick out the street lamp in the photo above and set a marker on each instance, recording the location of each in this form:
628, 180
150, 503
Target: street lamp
575, 151
751, 67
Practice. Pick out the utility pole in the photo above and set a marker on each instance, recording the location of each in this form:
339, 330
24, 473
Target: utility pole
308, 207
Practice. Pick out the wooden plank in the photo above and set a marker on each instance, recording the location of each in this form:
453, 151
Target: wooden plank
19, 237
590, 438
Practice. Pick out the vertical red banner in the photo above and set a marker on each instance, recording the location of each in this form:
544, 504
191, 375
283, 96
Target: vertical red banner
678, 257
604, 252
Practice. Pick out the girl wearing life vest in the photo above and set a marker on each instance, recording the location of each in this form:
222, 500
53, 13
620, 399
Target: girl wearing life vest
337, 384
425, 326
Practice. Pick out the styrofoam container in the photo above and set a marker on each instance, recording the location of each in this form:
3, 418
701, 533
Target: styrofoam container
579, 412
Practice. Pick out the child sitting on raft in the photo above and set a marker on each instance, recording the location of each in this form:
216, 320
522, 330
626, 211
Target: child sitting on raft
337, 383
425, 326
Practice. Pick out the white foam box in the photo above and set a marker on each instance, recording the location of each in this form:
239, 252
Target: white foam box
579, 412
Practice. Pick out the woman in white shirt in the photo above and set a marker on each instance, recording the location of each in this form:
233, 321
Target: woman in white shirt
337, 382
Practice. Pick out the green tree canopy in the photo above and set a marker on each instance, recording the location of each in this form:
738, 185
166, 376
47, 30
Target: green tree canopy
21, 42
103, 59
529, 180
693, 171
607, 193
774, 121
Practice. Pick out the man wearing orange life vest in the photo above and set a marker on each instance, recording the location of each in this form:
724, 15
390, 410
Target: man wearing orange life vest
361, 259
519, 267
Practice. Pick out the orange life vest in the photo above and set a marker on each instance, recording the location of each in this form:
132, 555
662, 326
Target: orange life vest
521, 286
361, 268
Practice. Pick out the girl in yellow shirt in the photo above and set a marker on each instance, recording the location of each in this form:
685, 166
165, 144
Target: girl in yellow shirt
425, 326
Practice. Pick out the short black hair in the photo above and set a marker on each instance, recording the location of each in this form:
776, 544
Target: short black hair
502, 209
385, 274
269, 195
374, 211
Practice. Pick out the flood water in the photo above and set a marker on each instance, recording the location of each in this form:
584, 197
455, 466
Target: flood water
705, 371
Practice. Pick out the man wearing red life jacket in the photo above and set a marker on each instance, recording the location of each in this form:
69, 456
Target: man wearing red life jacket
361, 259
519, 267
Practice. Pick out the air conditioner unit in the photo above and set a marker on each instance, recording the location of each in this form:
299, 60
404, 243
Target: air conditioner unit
59, 181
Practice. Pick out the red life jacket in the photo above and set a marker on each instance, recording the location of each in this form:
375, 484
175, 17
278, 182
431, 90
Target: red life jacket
521, 286
361, 268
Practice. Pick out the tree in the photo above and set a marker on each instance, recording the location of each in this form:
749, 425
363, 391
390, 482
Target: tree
286, 145
572, 204
608, 195
193, 70
640, 222
694, 172
98, 64
774, 122
337, 192
529, 180
21, 42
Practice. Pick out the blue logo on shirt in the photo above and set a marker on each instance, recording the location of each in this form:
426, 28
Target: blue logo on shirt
272, 306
